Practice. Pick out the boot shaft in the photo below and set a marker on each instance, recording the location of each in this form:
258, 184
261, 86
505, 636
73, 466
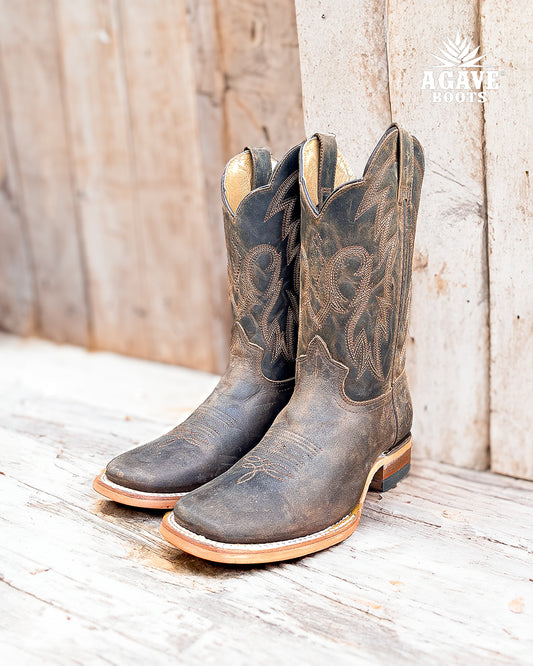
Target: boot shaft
357, 239
261, 207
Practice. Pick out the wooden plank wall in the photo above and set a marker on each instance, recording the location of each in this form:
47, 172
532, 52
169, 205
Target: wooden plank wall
35, 115
116, 119
17, 287
507, 30
475, 154
448, 354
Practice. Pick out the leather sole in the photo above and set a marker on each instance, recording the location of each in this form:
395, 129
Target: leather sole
130, 497
388, 469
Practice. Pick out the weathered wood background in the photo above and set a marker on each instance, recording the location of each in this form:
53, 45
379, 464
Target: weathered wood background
117, 116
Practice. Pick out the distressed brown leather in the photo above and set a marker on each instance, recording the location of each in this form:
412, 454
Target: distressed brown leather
351, 402
263, 243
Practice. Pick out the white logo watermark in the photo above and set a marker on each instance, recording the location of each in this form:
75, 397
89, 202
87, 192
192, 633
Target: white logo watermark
460, 75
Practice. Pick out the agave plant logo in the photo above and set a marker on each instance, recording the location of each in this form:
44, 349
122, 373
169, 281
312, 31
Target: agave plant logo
459, 74
459, 53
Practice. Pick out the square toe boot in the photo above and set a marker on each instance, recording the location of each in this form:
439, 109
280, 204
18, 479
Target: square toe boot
261, 209
347, 425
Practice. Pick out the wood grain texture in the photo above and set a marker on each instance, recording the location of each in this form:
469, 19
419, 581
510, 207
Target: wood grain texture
140, 178
262, 96
210, 86
436, 572
170, 188
98, 111
343, 60
118, 119
508, 153
448, 351
33, 96
17, 289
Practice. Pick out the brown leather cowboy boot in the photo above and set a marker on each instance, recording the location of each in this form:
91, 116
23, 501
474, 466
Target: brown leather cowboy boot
262, 226
347, 425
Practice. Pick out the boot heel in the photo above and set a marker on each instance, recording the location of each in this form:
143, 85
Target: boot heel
393, 471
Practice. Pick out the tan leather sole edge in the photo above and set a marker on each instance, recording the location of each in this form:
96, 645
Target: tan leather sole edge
131, 497
230, 553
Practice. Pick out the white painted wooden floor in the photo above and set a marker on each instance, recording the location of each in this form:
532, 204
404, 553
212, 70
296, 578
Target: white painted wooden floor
440, 570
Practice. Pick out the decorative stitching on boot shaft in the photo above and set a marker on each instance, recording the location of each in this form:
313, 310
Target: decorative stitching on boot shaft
264, 278
351, 273
354, 266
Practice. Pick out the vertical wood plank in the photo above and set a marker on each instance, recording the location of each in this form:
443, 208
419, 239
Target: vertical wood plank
17, 294
33, 91
207, 62
262, 78
448, 352
102, 163
169, 181
508, 121
343, 61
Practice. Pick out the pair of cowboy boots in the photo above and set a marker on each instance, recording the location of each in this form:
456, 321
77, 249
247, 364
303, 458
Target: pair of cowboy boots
314, 408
